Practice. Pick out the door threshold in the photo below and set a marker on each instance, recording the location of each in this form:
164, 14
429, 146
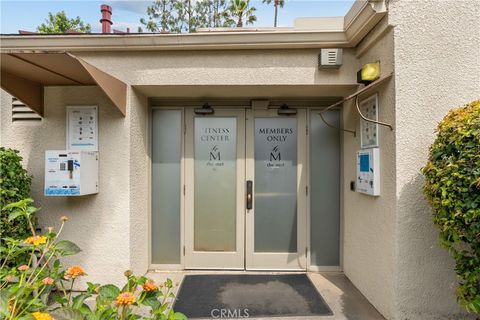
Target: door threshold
227, 271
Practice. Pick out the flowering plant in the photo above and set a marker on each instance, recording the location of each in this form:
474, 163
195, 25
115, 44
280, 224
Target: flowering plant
41, 289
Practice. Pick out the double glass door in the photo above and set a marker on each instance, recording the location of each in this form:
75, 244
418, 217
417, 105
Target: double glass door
245, 190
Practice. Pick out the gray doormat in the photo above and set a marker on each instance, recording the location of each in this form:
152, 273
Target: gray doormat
249, 296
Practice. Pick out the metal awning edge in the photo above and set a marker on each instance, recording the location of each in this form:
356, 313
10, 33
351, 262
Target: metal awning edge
115, 89
355, 96
29, 92
32, 92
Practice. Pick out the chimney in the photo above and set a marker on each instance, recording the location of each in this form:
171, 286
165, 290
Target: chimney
106, 18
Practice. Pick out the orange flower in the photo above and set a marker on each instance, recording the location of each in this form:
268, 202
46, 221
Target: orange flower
125, 298
36, 240
10, 278
47, 281
42, 316
23, 267
149, 286
74, 272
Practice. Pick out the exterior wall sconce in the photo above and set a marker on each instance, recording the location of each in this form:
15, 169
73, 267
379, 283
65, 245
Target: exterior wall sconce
204, 110
285, 110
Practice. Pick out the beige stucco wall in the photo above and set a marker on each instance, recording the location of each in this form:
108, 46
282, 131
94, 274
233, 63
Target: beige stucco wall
391, 250
139, 182
437, 67
228, 67
111, 227
99, 224
369, 222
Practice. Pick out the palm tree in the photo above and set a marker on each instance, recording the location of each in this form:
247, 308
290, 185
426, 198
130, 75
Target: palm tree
276, 4
242, 11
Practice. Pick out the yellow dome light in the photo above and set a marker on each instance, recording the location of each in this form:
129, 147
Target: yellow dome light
369, 73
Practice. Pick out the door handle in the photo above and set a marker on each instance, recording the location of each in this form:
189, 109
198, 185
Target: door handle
249, 194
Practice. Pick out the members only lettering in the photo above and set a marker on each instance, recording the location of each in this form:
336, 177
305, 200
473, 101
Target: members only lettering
276, 134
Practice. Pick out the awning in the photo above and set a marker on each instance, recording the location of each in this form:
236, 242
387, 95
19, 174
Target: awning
24, 75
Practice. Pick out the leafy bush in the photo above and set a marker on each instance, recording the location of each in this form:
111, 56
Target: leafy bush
14, 186
452, 186
41, 289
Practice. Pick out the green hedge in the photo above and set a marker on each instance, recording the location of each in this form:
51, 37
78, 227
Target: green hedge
14, 186
452, 186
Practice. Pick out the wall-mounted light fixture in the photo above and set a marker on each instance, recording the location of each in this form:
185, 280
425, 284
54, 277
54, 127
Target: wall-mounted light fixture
204, 110
369, 73
286, 111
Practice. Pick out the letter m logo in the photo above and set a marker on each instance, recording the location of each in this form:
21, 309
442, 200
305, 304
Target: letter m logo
275, 154
215, 154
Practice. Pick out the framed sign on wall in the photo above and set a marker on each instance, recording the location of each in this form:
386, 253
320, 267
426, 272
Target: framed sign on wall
369, 130
82, 128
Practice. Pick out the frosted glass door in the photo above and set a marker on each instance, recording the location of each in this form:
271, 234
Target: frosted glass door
325, 185
215, 209
276, 224
166, 186
275, 195
215, 177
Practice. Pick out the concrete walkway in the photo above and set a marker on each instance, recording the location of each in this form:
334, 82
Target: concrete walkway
340, 294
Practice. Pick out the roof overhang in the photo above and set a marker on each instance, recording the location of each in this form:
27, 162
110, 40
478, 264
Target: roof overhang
31, 62
249, 92
361, 18
24, 75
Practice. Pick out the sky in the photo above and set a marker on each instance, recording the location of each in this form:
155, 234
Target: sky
27, 15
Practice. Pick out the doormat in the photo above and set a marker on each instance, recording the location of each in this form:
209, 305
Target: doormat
249, 296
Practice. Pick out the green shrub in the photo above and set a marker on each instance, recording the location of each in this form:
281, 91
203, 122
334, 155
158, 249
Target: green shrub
14, 186
452, 186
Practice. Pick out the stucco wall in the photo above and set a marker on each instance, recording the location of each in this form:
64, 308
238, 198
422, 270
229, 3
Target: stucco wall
99, 223
369, 222
230, 67
437, 66
139, 182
